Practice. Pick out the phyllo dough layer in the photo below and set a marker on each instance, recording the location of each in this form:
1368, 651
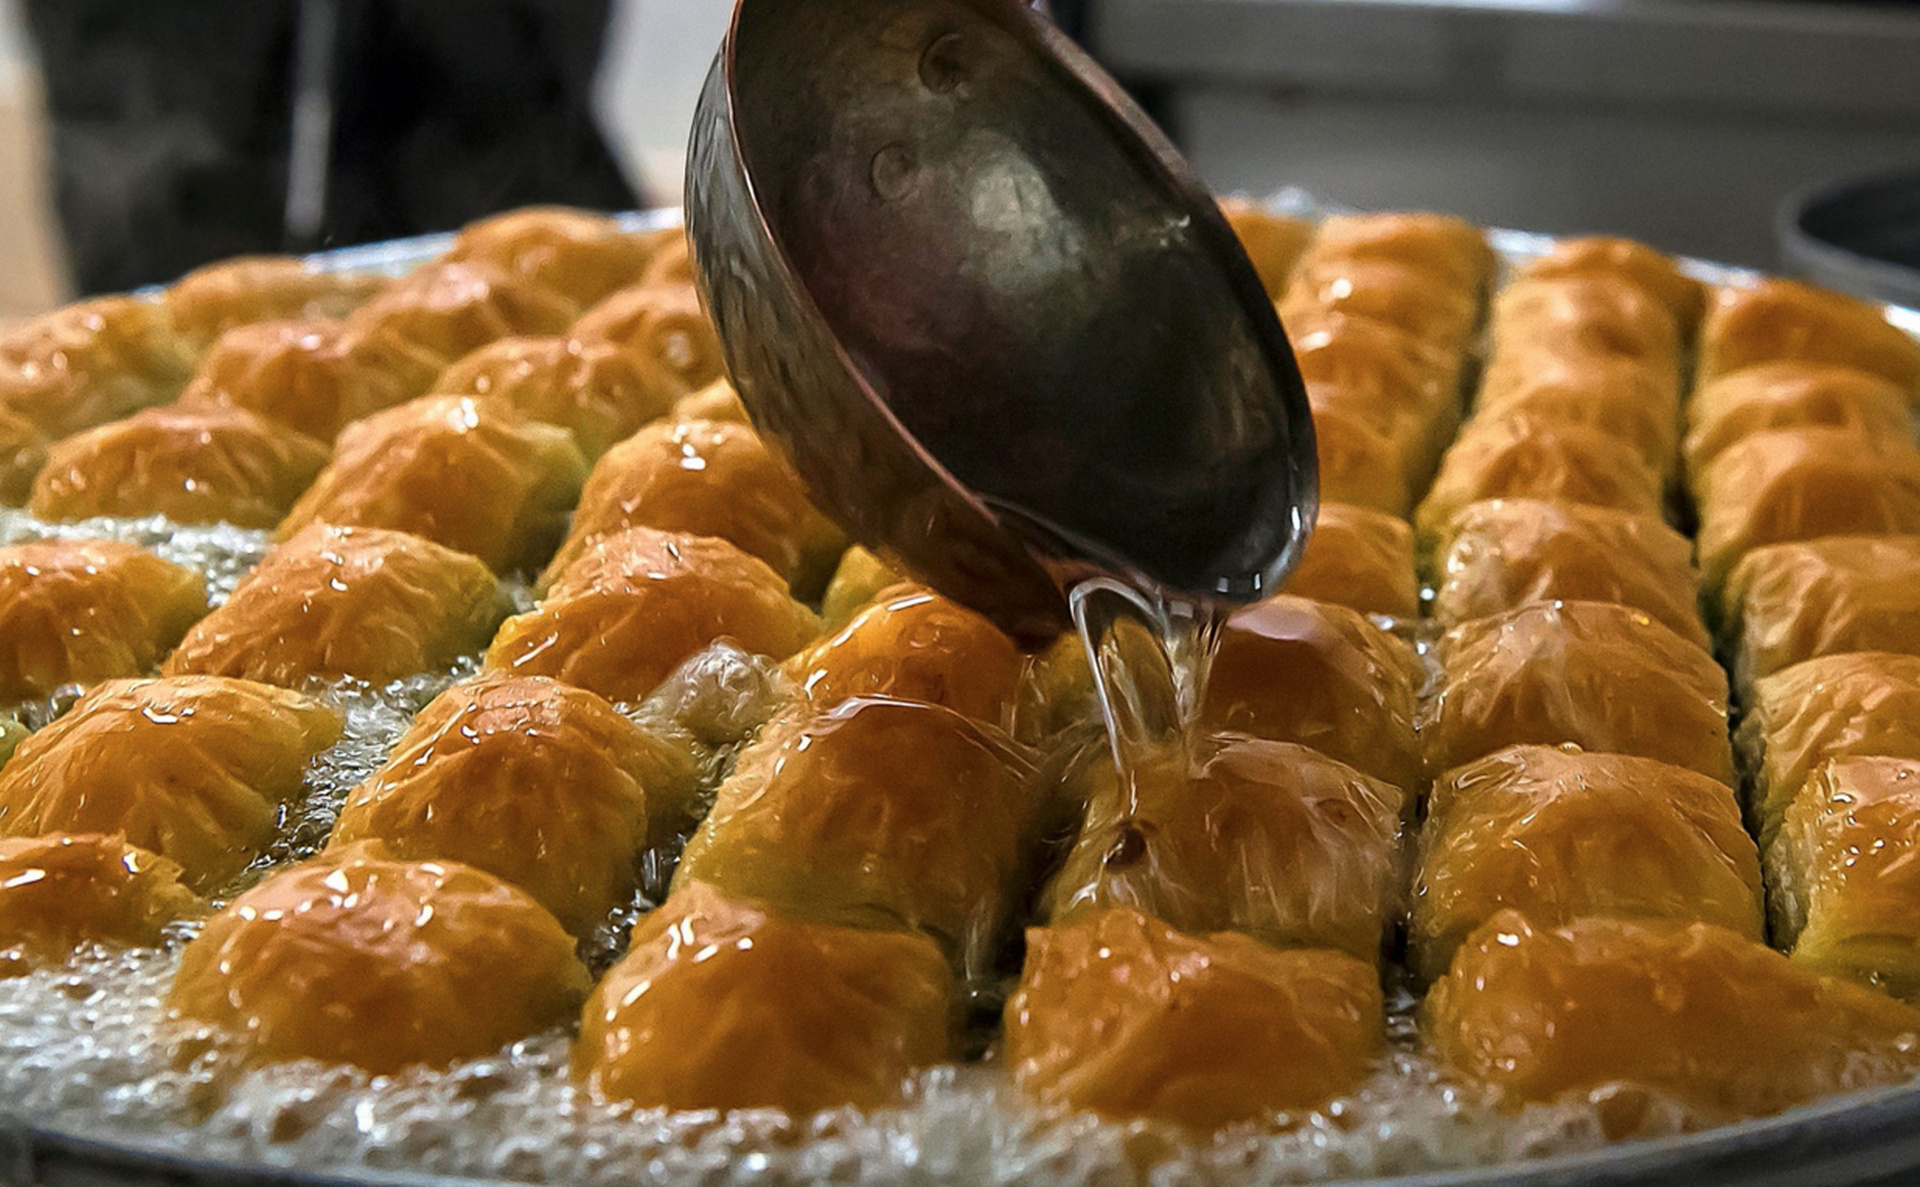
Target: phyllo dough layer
82, 611
1777, 320
1791, 602
592, 389
1361, 559
59, 891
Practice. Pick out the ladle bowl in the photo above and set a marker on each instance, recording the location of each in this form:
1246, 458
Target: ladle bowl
987, 313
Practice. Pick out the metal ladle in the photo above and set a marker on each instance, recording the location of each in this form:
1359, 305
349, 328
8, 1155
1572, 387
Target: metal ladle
987, 312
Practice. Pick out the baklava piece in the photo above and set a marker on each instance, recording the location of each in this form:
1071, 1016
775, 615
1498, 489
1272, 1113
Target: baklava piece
1269, 839
1835, 706
1728, 1027
467, 474
707, 479
877, 813
61, 891
1121, 1015
1559, 834
358, 958
580, 255
313, 376
22, 452
193, 465
1584, 316
449, 309
858, 579
82, 611
1847, 890
195, 769
589, 387
1501, 457
1452, 251
723, 1004
717, 401
1802, 484
1625, 403
209, 301
1651, 393
915, 645
347, 602
1502, 554
1792, 395
1292, 670
638, 603
1388, 291
1273, 242
669, 259
1791, 602
663, 329
1361, 559
1361, 465
1373, 367
1607, 256
86, 364
1777, 320
1605, 678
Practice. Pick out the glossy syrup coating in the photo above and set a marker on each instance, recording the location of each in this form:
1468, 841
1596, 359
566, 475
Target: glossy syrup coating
915, 645
533, 781
722, 1003
1360, 464
1776, 320
472, 475
707, 478
1603, 677
82, 611
1451, 250
1119, 1014
313, 376
1361, 559
1560, 834
449, 309
1847, 890
1833, 706
858, 579
1501, 554
60, 891
638, 603
1514, 377
22, 452
192, 465
1628, 404
663, 328
716, 401
591, 388
1516, 457
1726, 1025
91, 362
340, 601
1605, 255
356, 957
1792, 395
1392, 369
195, 769
1585, 316
209, 301
1791, 602
1388, 291
1348, 687
1273, 242
1269, 839
579, 254
877, 813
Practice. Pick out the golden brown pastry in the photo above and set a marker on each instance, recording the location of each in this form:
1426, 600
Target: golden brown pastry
1802, 484
1347, 690
578, 254
1792, 395
449, 309
1361, 465
638, 603
914, 645
1639, 412
1273, 242
1560, 834
1120, 1015
1270, 839
533, 781
1452, 250
1650, 270
1389, 291
360, 602
1835, 706
1502, 457
1727, 1026
22, 452
877, 813
86, 364
62, 890
663, 328
1502, 554
1775, 320
708, 479
468, 474
1521, 373
193, 465
716, 401
314, 376
82, 611
669, 260
1603, 677
725, 1004
1582, 316
592, 388
1361, 559
1790, 602
1846, 887
195, 769
209, 301
858, 579
355, 957
1383, 365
